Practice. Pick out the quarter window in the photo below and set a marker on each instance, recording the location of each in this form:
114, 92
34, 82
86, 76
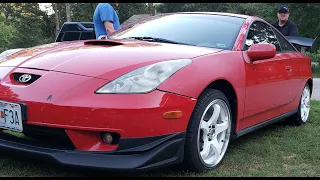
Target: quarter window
285, 45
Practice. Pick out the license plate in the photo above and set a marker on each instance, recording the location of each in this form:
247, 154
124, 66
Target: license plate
10, 116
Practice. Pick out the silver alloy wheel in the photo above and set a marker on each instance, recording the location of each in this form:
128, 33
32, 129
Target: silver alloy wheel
214, 132
305, 104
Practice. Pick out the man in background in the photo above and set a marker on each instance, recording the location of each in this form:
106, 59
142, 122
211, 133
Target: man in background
286, 27
105, 20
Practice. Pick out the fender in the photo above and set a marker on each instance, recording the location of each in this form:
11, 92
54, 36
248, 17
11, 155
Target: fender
230, 68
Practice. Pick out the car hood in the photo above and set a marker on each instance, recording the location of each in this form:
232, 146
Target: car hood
102, 59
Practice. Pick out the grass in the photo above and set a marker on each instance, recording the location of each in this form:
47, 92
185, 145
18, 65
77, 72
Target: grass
316, 74
277, 150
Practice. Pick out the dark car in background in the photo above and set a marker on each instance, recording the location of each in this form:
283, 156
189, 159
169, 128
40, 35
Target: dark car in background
72, 31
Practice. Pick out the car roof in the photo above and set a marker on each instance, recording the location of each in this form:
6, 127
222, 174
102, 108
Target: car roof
218, 13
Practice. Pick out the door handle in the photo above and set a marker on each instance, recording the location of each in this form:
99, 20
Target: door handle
288, 68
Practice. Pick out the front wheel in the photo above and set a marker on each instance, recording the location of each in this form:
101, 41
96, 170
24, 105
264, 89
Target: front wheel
302, 115
208, 132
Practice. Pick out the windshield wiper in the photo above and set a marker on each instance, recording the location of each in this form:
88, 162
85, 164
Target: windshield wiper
152, 39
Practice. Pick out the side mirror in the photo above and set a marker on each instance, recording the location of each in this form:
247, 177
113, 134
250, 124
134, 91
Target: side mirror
261, 51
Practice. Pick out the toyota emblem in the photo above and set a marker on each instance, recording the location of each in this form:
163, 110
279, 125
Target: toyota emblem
25, 78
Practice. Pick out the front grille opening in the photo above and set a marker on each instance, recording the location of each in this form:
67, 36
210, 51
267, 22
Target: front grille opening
40, 136
25, 78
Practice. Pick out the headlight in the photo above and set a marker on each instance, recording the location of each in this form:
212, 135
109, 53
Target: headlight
8, 52
144, 79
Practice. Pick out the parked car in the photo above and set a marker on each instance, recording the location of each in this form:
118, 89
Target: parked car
171, 90
73, 31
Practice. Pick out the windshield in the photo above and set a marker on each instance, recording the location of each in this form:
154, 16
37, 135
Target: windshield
205, 30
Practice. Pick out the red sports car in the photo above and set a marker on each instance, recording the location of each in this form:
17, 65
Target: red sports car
172, 89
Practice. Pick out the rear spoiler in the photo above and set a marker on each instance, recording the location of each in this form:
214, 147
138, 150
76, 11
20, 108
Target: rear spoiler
307, 43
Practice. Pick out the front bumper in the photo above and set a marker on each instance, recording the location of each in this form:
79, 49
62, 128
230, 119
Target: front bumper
65, 109
132, 154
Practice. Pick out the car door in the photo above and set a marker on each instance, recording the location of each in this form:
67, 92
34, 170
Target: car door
266, 80
296, 66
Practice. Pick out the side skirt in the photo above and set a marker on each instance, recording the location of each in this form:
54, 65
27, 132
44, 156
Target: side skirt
263, 124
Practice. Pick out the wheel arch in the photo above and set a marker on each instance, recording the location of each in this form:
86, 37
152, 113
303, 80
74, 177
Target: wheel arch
310, 83
227, 88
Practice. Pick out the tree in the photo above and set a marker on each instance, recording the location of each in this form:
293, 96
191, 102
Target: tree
57, 18
68, 12
6, 36
83, 12
126, 10
33, 26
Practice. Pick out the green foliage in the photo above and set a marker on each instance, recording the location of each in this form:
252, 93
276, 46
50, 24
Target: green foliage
306, 16
170, 7
30, 26
314, 56
6, 35
24, 25
316, 60
31, 21
316, 73
316, 69
126, 10
81, 12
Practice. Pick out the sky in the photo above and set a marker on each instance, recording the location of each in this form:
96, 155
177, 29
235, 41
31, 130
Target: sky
46, 7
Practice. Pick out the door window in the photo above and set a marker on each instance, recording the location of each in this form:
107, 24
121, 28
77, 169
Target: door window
259, 33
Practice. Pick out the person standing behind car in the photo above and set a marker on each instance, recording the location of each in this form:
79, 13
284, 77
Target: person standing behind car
286, 27
105, 20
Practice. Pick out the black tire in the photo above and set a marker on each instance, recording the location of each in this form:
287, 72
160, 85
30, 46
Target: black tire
296, 119
192, 160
